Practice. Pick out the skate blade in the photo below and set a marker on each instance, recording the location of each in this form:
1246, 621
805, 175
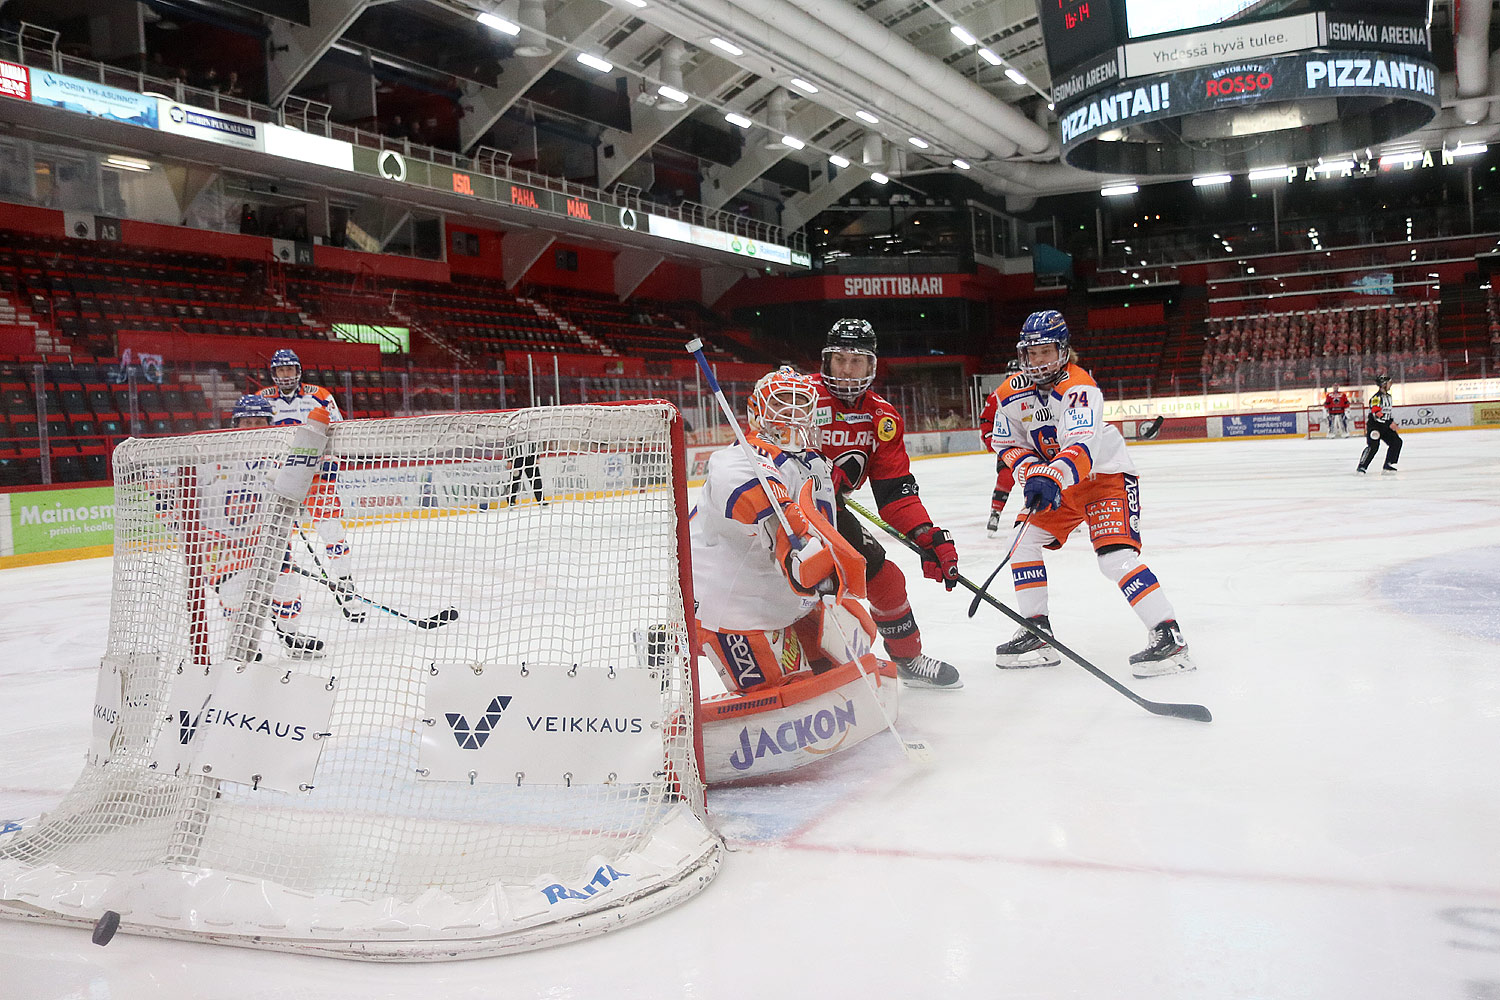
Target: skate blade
1178, 663
921, 682
1022, 663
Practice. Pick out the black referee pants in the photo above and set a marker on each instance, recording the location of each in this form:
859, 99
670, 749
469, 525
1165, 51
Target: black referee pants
1374, 434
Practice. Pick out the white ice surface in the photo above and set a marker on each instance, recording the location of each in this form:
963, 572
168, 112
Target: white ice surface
1334, 833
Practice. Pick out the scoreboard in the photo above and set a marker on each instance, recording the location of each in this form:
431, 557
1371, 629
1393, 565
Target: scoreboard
1076, 30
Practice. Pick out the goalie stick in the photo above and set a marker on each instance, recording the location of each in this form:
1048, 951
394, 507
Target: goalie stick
915, 751
1196, 713
443, 617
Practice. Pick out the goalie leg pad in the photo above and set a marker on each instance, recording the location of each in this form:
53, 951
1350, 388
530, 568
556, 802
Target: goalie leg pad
749, 661
846, 632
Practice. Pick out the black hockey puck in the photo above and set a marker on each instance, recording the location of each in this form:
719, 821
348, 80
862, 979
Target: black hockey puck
105, 927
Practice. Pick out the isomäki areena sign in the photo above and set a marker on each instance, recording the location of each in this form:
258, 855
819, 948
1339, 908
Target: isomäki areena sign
1260, 81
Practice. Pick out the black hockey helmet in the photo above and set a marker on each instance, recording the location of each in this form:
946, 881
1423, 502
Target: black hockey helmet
1382, 381
849, 336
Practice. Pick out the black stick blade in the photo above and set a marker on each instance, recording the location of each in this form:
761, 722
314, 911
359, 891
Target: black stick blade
440, 619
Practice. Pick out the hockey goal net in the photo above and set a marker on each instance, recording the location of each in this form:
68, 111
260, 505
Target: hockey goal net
514, 772
1318, 422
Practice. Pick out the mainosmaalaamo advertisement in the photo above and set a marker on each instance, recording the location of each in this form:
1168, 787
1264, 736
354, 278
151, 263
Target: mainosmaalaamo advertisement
36, 522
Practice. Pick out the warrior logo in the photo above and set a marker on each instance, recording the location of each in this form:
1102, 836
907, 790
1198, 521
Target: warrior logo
474, 737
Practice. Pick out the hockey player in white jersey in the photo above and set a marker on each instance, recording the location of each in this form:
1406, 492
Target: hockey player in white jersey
292, 400
1049, 429
756, 589
227, 512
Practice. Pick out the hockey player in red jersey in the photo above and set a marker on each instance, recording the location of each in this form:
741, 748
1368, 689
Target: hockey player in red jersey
1336, 406
1073, 468
865, 438
1005, 480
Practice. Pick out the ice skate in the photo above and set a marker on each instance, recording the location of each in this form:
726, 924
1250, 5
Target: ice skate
1167, 653
993, 527
1026, 650
1388, 469
925, 671
300, 645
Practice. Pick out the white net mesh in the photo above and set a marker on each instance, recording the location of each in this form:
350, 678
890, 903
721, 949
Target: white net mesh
553, 534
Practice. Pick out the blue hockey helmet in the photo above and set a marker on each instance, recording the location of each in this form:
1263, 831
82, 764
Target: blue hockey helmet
282, 359
1041, 328
250, 406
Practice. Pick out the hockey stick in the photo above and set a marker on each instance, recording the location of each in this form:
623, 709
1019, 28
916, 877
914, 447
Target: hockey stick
340, 597
1015, 543
917, 752
1197, 713
443, 617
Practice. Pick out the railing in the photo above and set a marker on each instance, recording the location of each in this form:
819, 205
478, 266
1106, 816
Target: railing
27, 46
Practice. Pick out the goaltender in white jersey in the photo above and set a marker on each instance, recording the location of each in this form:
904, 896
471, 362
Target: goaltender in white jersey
757, 590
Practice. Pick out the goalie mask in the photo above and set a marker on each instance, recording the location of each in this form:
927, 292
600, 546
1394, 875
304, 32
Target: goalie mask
780, 409
1043, 330
285, 358
849, 360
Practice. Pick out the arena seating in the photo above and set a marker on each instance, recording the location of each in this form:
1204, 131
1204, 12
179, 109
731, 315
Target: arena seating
1297, 347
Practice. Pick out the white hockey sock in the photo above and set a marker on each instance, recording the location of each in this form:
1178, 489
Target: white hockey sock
1029, 574
1138, 584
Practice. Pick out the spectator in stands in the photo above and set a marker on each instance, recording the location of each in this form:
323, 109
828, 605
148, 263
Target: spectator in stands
397, 129
232, 86
249, 224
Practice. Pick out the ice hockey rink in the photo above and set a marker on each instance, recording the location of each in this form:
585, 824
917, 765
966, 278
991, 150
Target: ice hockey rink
1333, 833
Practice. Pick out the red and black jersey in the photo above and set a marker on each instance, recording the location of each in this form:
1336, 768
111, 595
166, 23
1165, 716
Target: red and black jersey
867, 440
1335, 402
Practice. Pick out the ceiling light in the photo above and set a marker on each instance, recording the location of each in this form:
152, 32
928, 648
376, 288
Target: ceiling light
499, 24
636, 3
1117, 190
880, 178
919, 143
1400, 159
1016, 76
673, 94
738, 120
837, 160
963, 36
1208, 180
1470, 149
729, 47
1281, 173
127, 163
803, 85
1051, 106
961, 164
793, 141
865, 116
990, 57
594, 62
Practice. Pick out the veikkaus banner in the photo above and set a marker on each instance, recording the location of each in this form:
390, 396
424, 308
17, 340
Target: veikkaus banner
1293, 77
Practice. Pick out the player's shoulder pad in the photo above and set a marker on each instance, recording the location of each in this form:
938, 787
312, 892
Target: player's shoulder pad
269, 392
1073, 377
1015, 386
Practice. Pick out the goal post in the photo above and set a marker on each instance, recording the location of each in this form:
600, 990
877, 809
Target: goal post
519, 772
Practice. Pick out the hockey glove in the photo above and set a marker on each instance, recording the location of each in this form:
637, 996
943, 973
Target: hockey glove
840, 480
1043, 488
939, 557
